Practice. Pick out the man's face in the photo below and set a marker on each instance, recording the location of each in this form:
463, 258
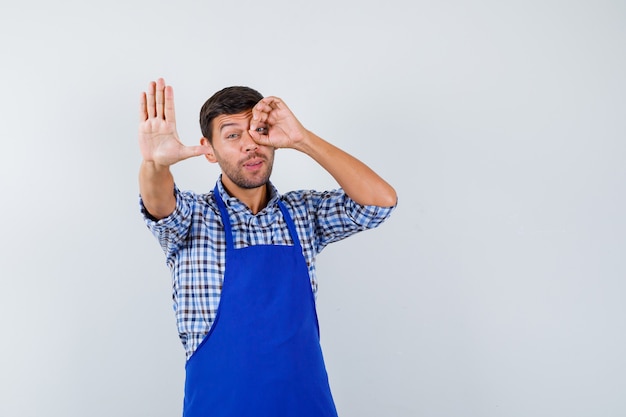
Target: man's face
244, 163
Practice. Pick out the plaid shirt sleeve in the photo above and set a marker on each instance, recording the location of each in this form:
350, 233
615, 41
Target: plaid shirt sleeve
172, 230
336, 216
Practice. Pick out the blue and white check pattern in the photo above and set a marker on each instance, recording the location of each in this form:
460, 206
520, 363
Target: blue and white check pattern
192, 238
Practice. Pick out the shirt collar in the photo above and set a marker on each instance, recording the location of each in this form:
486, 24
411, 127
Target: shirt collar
236, 205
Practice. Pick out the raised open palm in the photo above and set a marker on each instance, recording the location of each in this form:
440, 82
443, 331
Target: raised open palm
158, 140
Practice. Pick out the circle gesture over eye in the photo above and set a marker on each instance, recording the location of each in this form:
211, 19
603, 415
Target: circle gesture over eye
273, 124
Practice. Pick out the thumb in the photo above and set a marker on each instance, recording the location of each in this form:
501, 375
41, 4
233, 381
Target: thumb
191, 151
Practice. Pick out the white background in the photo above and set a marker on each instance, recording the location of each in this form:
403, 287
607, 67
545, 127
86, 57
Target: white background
495, 289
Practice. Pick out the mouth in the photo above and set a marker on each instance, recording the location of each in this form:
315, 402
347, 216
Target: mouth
253, 163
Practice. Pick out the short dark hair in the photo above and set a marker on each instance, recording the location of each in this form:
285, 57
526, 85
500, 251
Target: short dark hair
230, 100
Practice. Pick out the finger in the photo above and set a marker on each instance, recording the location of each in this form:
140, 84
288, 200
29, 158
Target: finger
254, 135
150, 106
258, 117
273, 102
260, 113
260, 139
143, 111
160, 99
265, 109
170, 114
191, 151
266, 105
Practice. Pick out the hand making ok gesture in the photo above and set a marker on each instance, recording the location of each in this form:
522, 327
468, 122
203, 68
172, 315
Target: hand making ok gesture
283, 130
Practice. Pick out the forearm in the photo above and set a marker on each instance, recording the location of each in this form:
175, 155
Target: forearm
156, 186
359, 181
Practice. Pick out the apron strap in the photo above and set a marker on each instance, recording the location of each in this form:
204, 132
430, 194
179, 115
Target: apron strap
225, 218
290, 225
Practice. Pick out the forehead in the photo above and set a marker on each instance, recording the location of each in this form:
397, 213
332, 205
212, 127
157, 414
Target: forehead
238, 120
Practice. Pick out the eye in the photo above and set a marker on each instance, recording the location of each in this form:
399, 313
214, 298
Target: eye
262, 130
232, 136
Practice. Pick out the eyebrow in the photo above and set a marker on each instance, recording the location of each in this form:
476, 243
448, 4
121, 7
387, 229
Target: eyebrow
228, 125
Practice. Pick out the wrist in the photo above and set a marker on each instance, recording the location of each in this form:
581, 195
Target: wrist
307, 142
154, 167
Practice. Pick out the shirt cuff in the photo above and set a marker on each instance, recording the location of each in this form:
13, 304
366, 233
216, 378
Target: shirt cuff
368, 216
180, 211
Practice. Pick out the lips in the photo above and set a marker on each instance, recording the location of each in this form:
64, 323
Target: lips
254, 162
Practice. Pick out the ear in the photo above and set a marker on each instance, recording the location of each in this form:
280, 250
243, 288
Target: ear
210, 156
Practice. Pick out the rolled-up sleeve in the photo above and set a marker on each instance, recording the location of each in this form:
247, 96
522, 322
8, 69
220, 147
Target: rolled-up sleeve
368, 217
171, 231
338, 216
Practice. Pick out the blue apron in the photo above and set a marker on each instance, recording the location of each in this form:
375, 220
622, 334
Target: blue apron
262, 356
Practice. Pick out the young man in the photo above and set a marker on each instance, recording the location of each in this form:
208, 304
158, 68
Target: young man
242, 256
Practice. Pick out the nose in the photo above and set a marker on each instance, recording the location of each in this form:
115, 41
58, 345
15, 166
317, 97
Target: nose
248, 143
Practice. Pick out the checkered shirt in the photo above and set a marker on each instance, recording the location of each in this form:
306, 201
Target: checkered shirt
192, 238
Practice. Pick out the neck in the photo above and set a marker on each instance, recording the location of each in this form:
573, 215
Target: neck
255, 198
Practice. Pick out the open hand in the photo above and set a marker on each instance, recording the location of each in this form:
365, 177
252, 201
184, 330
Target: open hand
158, 140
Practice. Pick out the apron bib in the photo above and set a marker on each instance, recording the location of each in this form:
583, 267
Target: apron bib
262, 356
